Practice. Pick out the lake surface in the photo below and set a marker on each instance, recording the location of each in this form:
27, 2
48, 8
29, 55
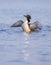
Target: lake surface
17, 47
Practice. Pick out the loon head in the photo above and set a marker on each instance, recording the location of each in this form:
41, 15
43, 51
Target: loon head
28, 17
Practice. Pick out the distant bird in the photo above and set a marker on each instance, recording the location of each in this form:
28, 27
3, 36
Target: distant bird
26, 26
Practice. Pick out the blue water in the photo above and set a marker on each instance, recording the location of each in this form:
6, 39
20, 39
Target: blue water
17, 47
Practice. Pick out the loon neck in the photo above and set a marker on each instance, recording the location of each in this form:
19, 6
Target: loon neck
28, 20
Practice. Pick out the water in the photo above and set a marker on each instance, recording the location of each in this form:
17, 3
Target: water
17, 47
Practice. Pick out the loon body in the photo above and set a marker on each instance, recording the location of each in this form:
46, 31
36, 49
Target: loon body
26, 26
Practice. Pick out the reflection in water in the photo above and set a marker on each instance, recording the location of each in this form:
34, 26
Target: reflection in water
26, 46
26, 56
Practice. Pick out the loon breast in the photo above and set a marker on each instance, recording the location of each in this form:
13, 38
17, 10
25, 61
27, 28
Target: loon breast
25, 27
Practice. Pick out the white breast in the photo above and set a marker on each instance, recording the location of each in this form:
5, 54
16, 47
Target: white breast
25, 27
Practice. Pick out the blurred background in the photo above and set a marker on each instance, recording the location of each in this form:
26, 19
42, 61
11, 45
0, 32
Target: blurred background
17, 47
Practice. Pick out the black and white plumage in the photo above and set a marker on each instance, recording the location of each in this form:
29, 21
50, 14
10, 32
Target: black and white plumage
26, 26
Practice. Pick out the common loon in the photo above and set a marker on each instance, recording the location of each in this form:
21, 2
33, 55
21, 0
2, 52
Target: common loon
26, 26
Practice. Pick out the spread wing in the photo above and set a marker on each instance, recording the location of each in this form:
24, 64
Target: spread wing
17, 24
35, 25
